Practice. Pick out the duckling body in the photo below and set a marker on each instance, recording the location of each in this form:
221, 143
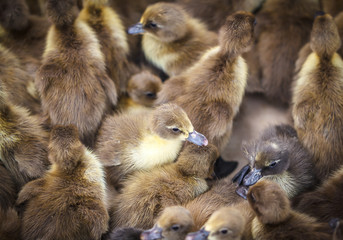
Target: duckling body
324, 203
317, 100
173, 224
172, 40
72, 81
113, 40
144, 140
146, 193
276, 220
23, 142
212, 90
69, 201
279, 156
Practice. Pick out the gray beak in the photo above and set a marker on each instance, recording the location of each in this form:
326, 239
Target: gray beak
199, 235
197, 138
136, 29
252, 177
152, 234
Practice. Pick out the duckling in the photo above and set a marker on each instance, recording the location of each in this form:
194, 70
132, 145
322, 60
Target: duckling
142, 92
72, 81
278, 155
144, 140
172, 39
212, 90
317, 98
113, 40
146, 193
226, 223
68, 202
23, 142
276, 220
283, 28
19, 84
173, 224
324, 203
22, 33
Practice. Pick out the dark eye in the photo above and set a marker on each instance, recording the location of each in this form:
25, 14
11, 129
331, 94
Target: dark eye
273, 164
152, 25
176, 130
224, 231
253, 198
175, 227
150, 94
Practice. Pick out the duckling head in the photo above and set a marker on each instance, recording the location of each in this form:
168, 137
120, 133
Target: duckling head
143, 88
62, 13
269, 202
165, 21
173, 224
266, 158
170, 121
65, 148
14, 15
226, 223
237, 34
325, 39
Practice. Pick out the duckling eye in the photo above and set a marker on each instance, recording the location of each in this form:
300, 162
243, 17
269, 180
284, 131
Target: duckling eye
273, 164
224, 231
176, 130
150, 94
175, 227
151, 25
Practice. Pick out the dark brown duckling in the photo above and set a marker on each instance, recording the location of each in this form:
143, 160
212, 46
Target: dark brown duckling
172, 39
279, 156
276, 220
146, 193
72, 81
317, 98
143, 140
69, 201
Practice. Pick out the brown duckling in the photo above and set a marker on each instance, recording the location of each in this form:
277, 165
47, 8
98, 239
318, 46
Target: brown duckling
142, 92
19, 83
113, 40
144, 139
172, 39
146, 193
325, 203
283, 28
173, 224
317, 98
279, 156
72, 81
212, 90
276, 220
23, 142
69, 201
227, 223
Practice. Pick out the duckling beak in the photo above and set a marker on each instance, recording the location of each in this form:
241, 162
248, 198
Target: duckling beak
136, 29
242, 191
152, 234
252, 177
199, 235
197, 138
